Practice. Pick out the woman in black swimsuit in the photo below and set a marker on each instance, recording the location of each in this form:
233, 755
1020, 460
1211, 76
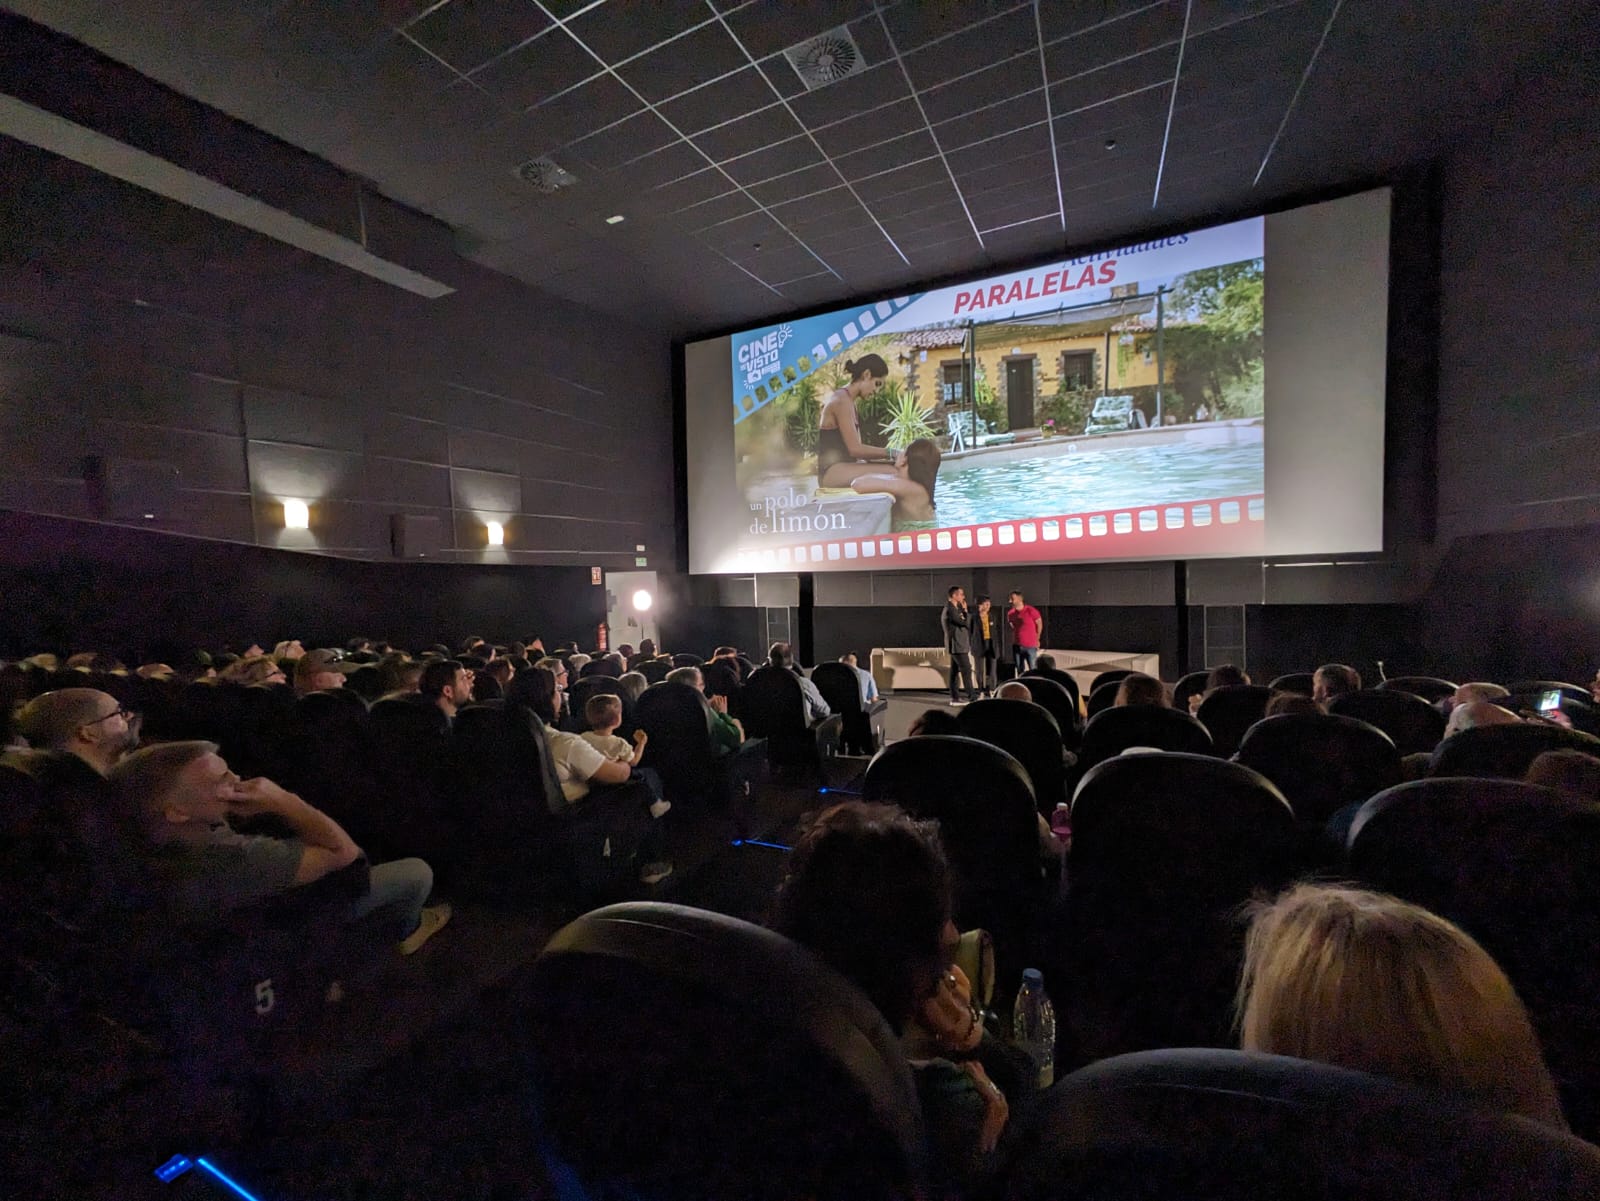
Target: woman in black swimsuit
841, 455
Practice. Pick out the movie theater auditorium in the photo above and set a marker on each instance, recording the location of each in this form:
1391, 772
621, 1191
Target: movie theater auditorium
740, 599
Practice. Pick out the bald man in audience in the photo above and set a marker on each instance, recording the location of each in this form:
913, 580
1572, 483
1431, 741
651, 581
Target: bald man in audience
85, 722
1478, 713
1013, 690
1467, 693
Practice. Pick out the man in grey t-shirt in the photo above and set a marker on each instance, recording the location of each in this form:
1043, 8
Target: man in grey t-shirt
185, 793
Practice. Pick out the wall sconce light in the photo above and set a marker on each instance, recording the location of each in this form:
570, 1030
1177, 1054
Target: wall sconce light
296, 515
497, 534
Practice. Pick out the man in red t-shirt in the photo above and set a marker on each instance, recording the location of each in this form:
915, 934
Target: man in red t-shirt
1026, 626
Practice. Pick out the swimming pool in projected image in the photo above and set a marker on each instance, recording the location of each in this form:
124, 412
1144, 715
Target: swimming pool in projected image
1059, 480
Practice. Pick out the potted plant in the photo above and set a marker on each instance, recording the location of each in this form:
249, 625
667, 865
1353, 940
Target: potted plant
1048, 429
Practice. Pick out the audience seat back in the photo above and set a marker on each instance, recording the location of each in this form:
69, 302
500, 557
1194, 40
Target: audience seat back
722, 679
1027, 733
1224, 1125
1114, 676
1429, 688
860, 725
599, 666
410, 767
1506, 751
1302, 682
687, 660
325, 757
1110, 733
1415, 726
1061, 705
655, 670
1189, 685
678, 720
774, 708
1518, 867
1103, 697
679, 1053
1321, 763
1166, 847
983, 801
1064, 678
1228, 712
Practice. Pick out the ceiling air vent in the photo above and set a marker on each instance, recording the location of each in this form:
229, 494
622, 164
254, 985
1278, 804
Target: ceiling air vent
825, 59
546, 175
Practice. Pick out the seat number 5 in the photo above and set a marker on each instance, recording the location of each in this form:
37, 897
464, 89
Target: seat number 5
265, 998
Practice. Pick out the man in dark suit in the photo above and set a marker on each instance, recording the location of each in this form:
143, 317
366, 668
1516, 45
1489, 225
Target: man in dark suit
958, 642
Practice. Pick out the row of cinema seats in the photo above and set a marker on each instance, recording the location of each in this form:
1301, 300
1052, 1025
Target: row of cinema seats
476, 799
1142, 946
674, 1052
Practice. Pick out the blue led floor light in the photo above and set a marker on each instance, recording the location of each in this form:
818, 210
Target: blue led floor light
224, 1178
173, 1168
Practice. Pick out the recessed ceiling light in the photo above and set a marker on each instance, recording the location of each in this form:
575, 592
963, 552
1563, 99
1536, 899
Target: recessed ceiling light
615, 219
1111, 143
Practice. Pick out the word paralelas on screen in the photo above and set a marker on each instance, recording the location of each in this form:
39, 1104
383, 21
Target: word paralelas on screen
1092, 271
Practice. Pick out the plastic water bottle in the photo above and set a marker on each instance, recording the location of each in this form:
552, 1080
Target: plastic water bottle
1033, 1025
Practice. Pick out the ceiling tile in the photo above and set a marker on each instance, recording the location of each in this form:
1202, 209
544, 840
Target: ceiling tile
792, 155
833, 207
914, 24
1115, 81
781, 76
797, 185
749, 134
620, 144
1009, 39
697, 58
988, 122
702, 185
870, 129
1137, 33
768, 26
745, 234
906, 201
666, 166
905, 150
538, 71
468, 33
988, 86
901, 179
987, 159
724, 100
553, 124
617, 31
715, 210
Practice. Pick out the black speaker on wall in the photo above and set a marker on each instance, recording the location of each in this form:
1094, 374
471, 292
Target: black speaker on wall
414, 536
131, 489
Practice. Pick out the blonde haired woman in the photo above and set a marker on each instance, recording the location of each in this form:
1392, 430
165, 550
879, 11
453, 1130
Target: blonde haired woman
1365, 981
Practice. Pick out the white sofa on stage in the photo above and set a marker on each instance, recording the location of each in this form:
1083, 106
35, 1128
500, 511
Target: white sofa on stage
909, 668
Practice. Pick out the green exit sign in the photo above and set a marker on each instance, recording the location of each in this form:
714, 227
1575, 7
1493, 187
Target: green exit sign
640, 561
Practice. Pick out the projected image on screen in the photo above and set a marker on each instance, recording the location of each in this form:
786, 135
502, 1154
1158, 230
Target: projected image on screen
1218, 392
1049, 397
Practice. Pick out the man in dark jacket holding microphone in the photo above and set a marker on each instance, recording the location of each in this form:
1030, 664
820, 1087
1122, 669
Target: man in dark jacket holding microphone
958, 642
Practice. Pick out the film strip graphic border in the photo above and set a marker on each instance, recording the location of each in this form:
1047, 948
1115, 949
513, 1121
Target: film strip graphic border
847, 328
1214, 526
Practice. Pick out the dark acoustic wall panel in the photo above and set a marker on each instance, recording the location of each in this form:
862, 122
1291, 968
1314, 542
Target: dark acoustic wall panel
68, 586
137, 329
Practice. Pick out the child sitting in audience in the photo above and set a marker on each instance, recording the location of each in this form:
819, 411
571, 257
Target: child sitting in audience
1365, 981
603, 713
